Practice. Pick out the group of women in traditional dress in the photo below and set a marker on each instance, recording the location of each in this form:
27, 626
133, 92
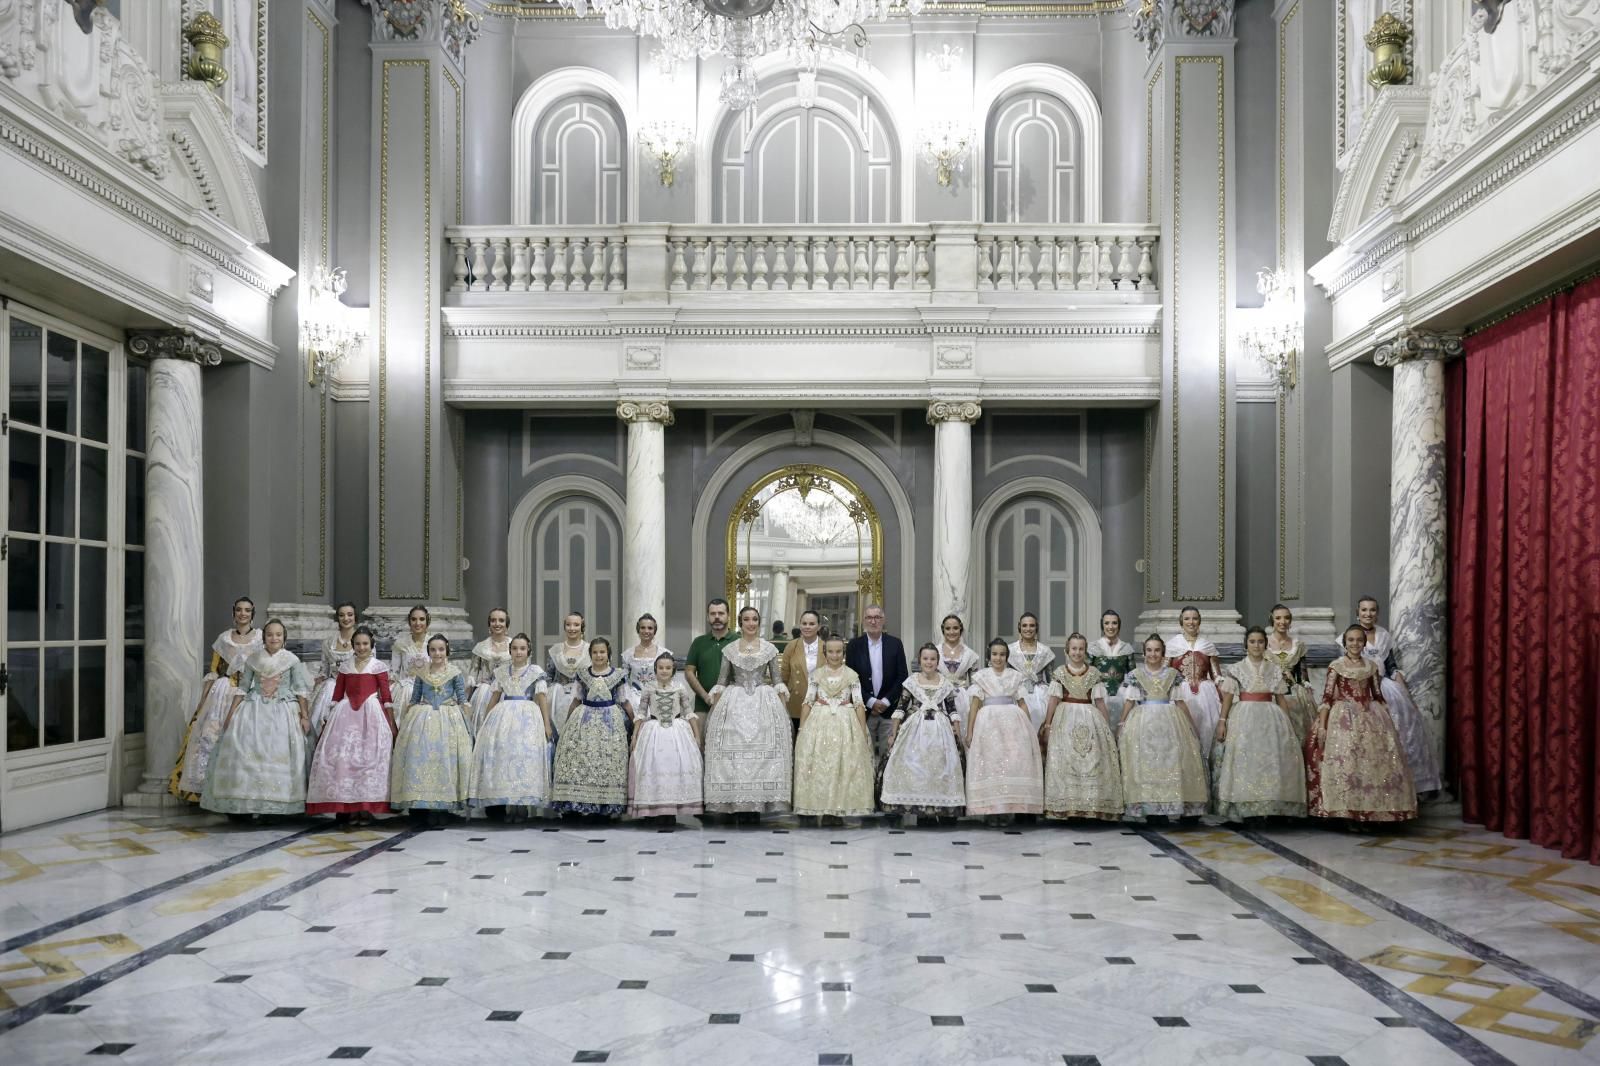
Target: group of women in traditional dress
1111, 733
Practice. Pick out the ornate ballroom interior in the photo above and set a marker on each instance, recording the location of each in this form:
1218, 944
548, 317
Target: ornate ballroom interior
950, 306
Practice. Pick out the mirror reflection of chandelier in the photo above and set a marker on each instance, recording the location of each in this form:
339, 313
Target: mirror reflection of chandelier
817, 518
744, 30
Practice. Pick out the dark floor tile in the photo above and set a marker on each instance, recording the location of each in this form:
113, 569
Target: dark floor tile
1145, 899
755, 914
592, 911
989, 899
1244, 916
1186, 936
741, 958
1396, 1023
188, 951
1110, 867
384, 891
1013, 936
766, 880
551, 829
961, 843
285, 1012
838, 866
1325, 1060
435, 862
503, 1016
319, 928
1080, 1060
1246, 989
836, 936
71, 1008
835, 1060
919, 914
1082, 917
663, 932
591, 1056
622, 879
838, 895
724, 1019
534, 892
930, 958
780, 832
947, 1019
556, 956
632, 986
686, 895
1197, 881
651, 852
772, 853
836, 986
1119, 960
474, 840
521, 851
491, 930
596, 840
431, 982
434, 910
1307, 960
233, 979
1032, 855
483, 877
911, 881
1013, 832
716, 842
109, 1049
1171, 1023
903, 854
972, 867
371, 953
566, 864
1054, 881
1040, 988
349, 1052
1082, 843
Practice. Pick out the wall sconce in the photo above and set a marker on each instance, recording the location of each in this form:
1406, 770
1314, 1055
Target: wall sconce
664, 141
326, 331
1277, 333
1387, 43
945, 144
206, 45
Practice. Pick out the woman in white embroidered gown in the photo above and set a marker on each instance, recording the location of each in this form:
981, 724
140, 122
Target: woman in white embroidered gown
1195, 659
408, 657
1288, 654
1082, 771
1115, 658
1033, 660
488, 656
1258, 770
665, 769
1162, 772
1408, 722
259, 764
336, 654
923, 773
228, 653
561, 665
511, 756
833, 763
749, 750
956, 660
1005, 775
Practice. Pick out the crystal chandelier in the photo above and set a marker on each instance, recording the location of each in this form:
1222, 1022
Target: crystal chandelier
742, 31
328, 332
1275, 333
818, 518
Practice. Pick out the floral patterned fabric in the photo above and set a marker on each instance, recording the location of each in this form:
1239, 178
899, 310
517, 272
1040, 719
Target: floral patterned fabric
1082, 772
665, 771
833, 765
591, 772
1357, 768
1034, 666
350, 766
1162, 772
487, 657
923, 774
432, 765
749, 749
1004, 771
259, 763
511, 757
188, 778
1258, 770
1302, 701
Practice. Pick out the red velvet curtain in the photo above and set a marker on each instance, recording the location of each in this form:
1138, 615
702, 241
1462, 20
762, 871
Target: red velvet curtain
1523, 433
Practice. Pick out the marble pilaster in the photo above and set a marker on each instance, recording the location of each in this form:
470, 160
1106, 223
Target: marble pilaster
644, 535
952, 505
174, 555
1417, 570
778, 610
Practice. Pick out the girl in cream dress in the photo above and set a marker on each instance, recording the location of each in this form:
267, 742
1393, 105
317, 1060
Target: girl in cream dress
1288, 654
488, 656
958, 661
511, 755
1082, 773
1033, 660
228, 653
665, 769
561, 665
833, 753
1004, 772
1195, 659
1257, 767
408, 657
337, 652
749, 751
432, 764
1162, 772
923, 774
259, 763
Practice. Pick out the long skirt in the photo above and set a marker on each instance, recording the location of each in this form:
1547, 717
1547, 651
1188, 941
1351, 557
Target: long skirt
1205, 709
432, 760
833, 764
259, 763
1358, 770
923, 774
1258, 771
1162, 772
1082, 774
561, 697
1302, 711
511, 758
478, 707
1037, 700
591, 773
666, 770
188, 778
1415, 739
1004, 771
350, 766
749, 752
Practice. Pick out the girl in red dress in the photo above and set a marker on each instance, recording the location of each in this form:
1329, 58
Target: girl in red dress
1355, 766
350, 769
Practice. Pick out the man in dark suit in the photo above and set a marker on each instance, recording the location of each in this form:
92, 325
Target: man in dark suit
879, 659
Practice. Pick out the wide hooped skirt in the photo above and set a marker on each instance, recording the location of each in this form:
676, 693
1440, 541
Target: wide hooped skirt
259, 763
666, 771
350, 766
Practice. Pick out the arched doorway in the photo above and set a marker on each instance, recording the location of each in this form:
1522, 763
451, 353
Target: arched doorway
805, 537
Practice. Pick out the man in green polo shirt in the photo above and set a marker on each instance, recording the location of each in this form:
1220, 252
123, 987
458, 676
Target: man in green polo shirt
704, 661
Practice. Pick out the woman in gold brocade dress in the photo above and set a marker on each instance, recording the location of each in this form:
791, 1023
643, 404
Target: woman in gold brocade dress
1257, 769
431, 771
1082, 771
833, 753
1162, 772
1355, 765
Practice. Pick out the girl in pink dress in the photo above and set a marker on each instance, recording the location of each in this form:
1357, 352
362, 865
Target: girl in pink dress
350, 768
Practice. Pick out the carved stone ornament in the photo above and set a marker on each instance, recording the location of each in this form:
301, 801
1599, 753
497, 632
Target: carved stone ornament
1409, 344
967, 411
805, 421
645, 411
450, 22
1387, 43
1156, 21
955, 356
206, 44
174, 344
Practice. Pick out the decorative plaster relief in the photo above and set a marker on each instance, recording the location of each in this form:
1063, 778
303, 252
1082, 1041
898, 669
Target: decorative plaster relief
642, 357
450, 22
1156, 21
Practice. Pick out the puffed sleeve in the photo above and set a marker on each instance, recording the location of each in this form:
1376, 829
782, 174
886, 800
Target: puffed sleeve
1229, 683
1057, 689
247, 681
385, 695
903, 706
458, 685
299, 679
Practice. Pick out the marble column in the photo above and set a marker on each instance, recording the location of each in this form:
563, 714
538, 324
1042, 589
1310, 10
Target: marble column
174, 556
778, 610
952, 505
1417, 573
644, 535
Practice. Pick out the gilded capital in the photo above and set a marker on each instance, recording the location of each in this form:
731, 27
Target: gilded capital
966, 411
450, 22
1155, 22
1425, 344
183, 344
645, 411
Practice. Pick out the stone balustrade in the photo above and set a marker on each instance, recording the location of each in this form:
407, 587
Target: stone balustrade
906, 259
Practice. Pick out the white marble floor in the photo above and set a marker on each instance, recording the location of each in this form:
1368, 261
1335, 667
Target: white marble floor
185, 939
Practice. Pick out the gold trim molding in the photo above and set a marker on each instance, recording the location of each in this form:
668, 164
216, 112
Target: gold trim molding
805, 478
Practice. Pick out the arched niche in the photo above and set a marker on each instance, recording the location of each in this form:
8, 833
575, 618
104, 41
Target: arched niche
1075, 96
552, 91
1085, 546
1035, 151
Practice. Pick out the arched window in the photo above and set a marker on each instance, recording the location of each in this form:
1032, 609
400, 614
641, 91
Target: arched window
1035, 159
1032, 554
577, 566
579, 164
824, 152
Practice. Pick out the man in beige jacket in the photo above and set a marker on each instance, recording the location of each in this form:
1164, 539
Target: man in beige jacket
799, 658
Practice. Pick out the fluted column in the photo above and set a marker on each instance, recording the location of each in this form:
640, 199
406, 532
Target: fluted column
1417, 590
644, 535
174, 556
952, 504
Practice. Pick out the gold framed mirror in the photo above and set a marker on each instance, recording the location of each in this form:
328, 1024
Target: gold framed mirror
811, 523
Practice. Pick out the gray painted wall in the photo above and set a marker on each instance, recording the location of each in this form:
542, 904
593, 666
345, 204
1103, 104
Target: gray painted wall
352, 535
1255, 513
1362, 401
1255, 147
352, 124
